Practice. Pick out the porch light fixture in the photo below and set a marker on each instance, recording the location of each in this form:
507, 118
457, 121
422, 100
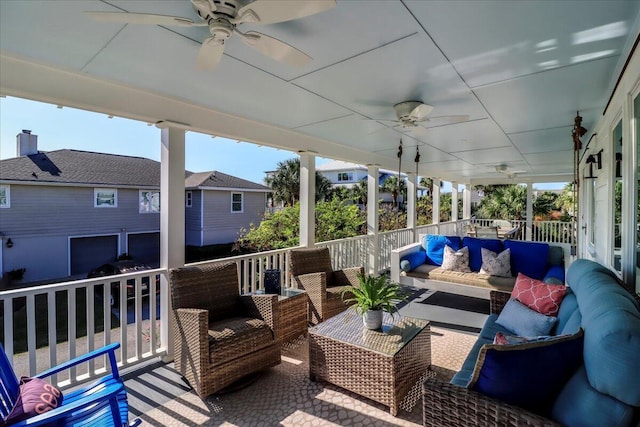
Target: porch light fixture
9, 243
590, 161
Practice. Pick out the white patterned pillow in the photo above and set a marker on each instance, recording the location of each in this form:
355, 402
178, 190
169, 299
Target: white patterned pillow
495, 264
456, 260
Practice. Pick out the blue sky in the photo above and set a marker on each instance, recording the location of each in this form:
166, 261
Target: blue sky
59, 128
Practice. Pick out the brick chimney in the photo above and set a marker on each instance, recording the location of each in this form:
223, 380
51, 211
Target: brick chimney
26, 144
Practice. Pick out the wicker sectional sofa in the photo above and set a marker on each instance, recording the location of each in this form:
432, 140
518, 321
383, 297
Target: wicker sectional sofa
417, 263
601, 389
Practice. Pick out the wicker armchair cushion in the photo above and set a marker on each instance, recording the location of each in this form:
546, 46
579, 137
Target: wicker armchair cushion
242, 335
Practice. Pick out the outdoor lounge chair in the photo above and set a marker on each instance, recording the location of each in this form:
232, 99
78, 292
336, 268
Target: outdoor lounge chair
220, 335
311, 270
102, 403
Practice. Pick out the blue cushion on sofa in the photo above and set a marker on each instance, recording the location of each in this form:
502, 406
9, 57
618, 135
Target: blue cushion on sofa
475, 246
435, 244
579, 404
521, 320
412, 260
528, 375
528, 258
555, 275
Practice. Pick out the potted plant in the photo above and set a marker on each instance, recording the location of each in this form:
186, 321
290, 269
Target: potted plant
372, 297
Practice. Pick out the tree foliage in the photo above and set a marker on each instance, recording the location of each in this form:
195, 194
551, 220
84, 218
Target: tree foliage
285, 183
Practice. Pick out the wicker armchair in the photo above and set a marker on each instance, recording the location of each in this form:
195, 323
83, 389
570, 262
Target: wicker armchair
220, 336
445, 404
311, 270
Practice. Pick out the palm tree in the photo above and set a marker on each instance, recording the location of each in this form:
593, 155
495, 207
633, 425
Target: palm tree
285, 183
391, 185
505, 202
359, 192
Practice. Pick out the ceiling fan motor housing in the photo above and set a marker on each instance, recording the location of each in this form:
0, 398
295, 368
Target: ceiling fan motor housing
404, 109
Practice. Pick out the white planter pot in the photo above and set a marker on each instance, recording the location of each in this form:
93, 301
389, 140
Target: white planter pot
372, 319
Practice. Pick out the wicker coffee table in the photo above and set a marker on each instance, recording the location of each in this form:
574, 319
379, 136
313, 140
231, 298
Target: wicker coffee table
380, 365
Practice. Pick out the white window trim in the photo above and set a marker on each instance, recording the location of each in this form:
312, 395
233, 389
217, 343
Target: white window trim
140, 202
188, 199
8, 194
95, 197
241, 202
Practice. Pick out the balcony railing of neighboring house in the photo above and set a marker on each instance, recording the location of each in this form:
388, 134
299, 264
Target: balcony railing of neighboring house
59, 312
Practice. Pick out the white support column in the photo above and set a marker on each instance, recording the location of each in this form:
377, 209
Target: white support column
529, 234
466, 202
412, 186
373, 251
454, 201
171, 221
436, 201
307, 199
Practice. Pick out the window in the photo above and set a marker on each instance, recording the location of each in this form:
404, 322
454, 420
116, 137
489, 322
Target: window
149, 201
618, 216
5, 196
345, 176
188, 199
236, 202
105, 198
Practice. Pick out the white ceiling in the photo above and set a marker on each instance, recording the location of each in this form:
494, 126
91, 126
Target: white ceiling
519, 69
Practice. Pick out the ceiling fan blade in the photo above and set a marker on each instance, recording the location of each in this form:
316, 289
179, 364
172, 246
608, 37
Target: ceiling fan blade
420, 112
445, 120
210, 54
273, 11
143, 18
274, 48
204, 7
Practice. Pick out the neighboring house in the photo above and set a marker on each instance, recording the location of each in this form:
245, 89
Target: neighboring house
65, 212
345, 174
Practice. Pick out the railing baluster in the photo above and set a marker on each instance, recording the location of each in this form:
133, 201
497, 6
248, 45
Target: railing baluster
52, 333
71, 328
91, 327
31, 333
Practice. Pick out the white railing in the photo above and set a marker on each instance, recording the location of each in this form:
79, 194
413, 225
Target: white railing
541, 231
59, 312
78, 317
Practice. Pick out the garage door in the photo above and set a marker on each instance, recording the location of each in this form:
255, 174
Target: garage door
145, 248
88, 253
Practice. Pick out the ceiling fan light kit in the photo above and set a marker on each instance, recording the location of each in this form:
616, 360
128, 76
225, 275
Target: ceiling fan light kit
223, 16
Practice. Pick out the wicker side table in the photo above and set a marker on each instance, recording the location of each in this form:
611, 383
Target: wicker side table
292, 304
380, 365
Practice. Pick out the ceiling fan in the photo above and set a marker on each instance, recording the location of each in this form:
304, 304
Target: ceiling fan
224, 16
506, 171
412, 114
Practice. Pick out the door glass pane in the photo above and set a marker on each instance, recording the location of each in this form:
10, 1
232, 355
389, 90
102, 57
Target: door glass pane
617, 197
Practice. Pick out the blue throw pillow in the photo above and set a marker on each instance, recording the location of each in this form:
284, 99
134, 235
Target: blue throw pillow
555, 275
528, 258
412, 260
435, 244
475, 246
521, 320
528, 375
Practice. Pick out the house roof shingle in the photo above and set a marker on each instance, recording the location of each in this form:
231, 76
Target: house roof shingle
90, 168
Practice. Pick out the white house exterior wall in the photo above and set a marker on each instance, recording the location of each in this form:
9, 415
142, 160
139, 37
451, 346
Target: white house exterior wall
192, 219
223, 226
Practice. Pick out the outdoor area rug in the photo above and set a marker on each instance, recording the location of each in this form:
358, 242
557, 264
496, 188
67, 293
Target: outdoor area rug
458, 302
284, 395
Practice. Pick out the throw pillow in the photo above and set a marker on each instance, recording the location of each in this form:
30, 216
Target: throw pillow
494, 264
35, 396
435, 244
412, 260
475, 255
529, 258
521, 320
542, 297
456, 260
502, 339
528, 375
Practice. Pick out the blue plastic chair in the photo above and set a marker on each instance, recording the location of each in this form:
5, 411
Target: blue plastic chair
102, 403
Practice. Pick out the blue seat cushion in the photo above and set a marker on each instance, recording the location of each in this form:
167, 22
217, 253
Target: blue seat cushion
412, 260
528, 258
435, 244
475, 246
528, 375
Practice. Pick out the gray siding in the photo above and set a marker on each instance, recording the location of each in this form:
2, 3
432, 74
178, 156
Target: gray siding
192, 220
223, 226
44, 257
